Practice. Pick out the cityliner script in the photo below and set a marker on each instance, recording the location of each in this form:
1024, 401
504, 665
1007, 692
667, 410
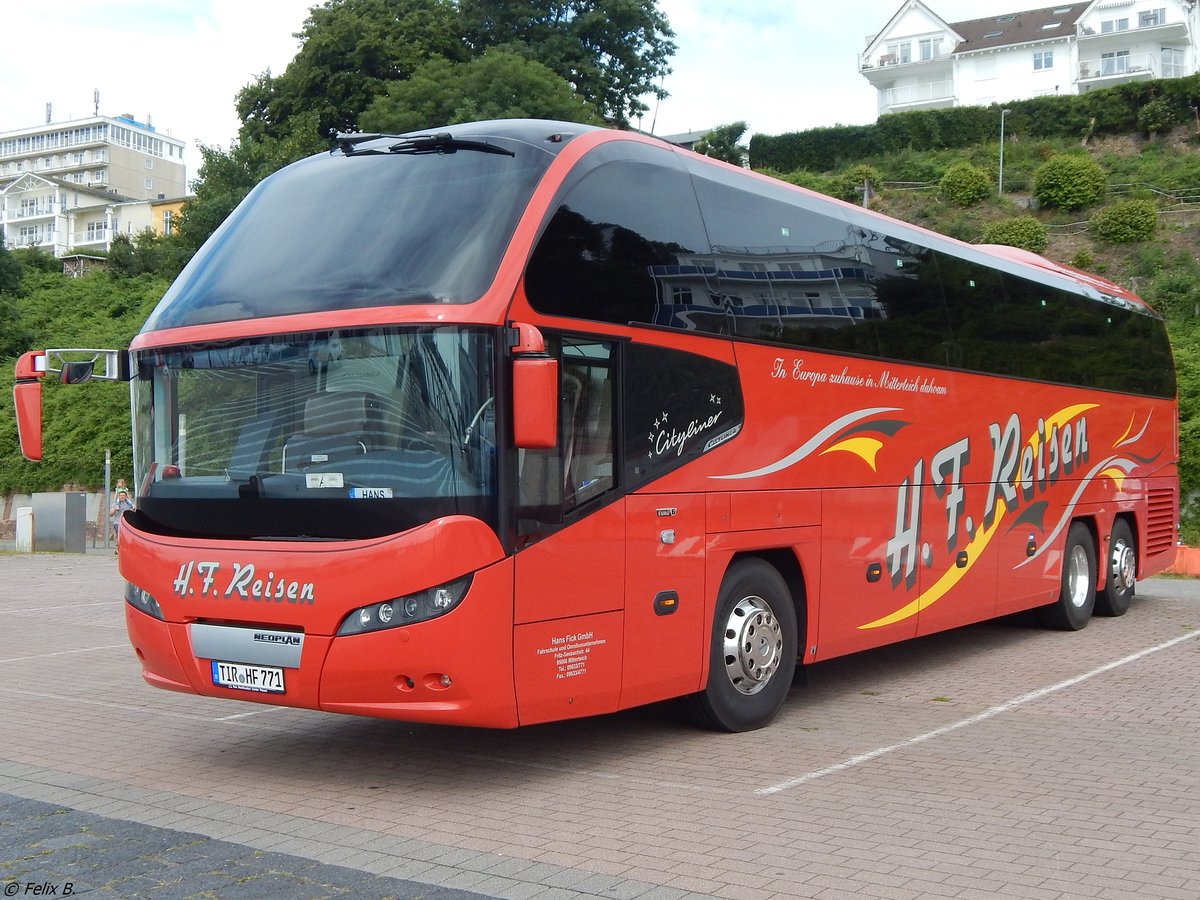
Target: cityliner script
242, 580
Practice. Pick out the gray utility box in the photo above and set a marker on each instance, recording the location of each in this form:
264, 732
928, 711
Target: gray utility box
59, 522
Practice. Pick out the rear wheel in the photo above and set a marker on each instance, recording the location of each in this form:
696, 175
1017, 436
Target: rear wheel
1122, 572
752, 655
1077, 595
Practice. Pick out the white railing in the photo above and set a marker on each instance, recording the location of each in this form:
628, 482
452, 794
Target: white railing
919, 93
1146, 64
885, 60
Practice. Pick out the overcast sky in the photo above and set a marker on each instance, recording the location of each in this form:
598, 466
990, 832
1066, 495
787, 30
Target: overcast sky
779, 65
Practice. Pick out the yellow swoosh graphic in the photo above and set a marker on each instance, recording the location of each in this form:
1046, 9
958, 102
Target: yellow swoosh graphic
865, 448
1116, 475
975, 548
949, 578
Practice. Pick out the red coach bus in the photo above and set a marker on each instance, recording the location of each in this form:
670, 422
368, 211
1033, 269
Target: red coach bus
523, 421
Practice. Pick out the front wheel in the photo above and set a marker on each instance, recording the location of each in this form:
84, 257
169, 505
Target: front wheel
1122, 572
1077, 594
752, 656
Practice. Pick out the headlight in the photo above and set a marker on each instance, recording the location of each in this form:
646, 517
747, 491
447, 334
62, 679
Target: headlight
406, 610
141, 600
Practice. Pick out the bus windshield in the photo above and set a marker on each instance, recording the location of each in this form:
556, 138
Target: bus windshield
335, 434
343, 231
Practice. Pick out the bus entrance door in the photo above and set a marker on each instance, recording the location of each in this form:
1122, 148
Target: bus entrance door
665, 621
569, 592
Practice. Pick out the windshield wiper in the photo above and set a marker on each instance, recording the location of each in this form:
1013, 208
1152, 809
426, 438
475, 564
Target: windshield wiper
441, 143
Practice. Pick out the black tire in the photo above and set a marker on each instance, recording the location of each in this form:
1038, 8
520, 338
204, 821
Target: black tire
1121, 579
1077, 594
753, 651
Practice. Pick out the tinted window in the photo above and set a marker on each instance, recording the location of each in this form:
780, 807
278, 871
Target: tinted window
616, 234
337, 232
676, 407
804, 272
777, 265
784, 272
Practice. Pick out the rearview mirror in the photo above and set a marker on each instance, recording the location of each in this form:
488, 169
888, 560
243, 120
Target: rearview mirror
535, 402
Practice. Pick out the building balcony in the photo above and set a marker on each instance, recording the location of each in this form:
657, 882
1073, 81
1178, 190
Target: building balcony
916, 96
890, 60
1091, 37
28, 215
1110, 70
883, 69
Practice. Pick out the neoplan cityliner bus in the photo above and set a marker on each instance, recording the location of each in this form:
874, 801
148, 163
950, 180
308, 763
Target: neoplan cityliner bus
520, 421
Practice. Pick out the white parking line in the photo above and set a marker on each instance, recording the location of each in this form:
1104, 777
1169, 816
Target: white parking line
72, 606
994, 711
64, 652
253, 712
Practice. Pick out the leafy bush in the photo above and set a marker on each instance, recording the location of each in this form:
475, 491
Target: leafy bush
1155, 116
965, 184
1020, 231
1126, 222
1069, 181
849, 184
1083, 259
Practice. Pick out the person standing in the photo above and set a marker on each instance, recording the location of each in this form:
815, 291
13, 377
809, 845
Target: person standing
120, 505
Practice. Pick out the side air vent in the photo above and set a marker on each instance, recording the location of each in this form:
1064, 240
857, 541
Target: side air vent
1160, 521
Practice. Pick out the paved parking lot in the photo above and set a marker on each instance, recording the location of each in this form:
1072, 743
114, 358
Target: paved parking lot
999, 759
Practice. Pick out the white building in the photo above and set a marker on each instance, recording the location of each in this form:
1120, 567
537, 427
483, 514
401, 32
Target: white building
71, 187
920, 61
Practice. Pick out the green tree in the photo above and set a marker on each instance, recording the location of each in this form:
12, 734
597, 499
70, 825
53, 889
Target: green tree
722, 143
612, 51
10, 271
13, 337
350, 50
499, 85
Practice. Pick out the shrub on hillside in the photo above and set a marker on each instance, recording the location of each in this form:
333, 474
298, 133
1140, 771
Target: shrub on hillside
1069, 181
849, 184
1020, 231
1126, 222
1156, 116
1083, 259
964, 184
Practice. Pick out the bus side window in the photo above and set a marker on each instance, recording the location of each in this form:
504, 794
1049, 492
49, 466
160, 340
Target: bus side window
556, 481
588, 453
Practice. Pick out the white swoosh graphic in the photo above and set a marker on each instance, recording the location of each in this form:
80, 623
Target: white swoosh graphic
812, 443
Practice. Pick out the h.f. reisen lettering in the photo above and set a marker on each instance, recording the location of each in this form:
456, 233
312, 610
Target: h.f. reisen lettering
206, 579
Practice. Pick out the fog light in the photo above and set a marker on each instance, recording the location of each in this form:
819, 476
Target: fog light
445, 680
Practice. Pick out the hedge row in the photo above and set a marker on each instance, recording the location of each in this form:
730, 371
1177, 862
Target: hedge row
1109, 111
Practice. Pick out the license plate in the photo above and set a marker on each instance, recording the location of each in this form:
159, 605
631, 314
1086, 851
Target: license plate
242, 677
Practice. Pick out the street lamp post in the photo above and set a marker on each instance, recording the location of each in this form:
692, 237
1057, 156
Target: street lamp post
1000, 180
